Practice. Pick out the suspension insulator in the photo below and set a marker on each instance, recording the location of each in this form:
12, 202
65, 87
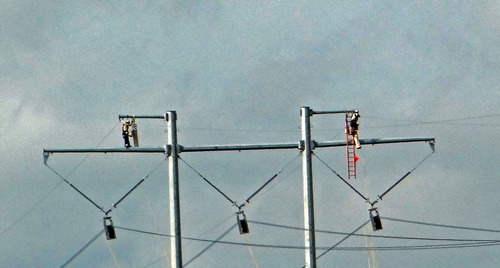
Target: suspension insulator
109, 228
375, 219
242, 223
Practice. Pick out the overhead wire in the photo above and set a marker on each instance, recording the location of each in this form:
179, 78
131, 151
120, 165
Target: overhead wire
472, 243
247, 200
82, 249
210, 245
6, 230
343, 239
250, 196
412, 123
485, 243
442, 225
446, 121
380, 236
210, 230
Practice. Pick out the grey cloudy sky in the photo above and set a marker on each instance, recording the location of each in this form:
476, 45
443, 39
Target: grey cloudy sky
238, 72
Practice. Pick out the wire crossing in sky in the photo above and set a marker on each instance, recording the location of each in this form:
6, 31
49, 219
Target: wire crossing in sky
343, 239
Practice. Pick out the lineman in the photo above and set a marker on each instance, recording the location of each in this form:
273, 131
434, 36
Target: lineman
126, 133
353, 128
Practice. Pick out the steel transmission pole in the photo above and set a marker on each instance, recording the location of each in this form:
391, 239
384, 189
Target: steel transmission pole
173, 174
309, 235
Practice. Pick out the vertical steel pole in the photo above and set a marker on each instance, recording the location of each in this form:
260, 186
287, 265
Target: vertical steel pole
173, 174
309, 235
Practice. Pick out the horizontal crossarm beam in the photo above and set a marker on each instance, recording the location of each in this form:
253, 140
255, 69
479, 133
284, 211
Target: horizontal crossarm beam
109, 150
235, 147
122, 116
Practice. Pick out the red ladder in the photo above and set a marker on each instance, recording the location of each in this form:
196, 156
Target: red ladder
350, 151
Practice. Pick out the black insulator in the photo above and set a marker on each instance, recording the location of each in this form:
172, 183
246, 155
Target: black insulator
109, 228
376, 221
243, 224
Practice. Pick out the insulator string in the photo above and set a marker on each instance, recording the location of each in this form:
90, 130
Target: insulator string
137, 185
271, 179
76, 189
340, 177
207, 181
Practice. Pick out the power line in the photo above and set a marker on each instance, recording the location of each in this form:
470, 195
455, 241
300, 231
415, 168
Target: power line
414, 247
55, 187
211, 244
82, 249
343, 239
412, 123
446, 121
443, 225
384, 236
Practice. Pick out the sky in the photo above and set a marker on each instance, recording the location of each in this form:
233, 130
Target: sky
238, 72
